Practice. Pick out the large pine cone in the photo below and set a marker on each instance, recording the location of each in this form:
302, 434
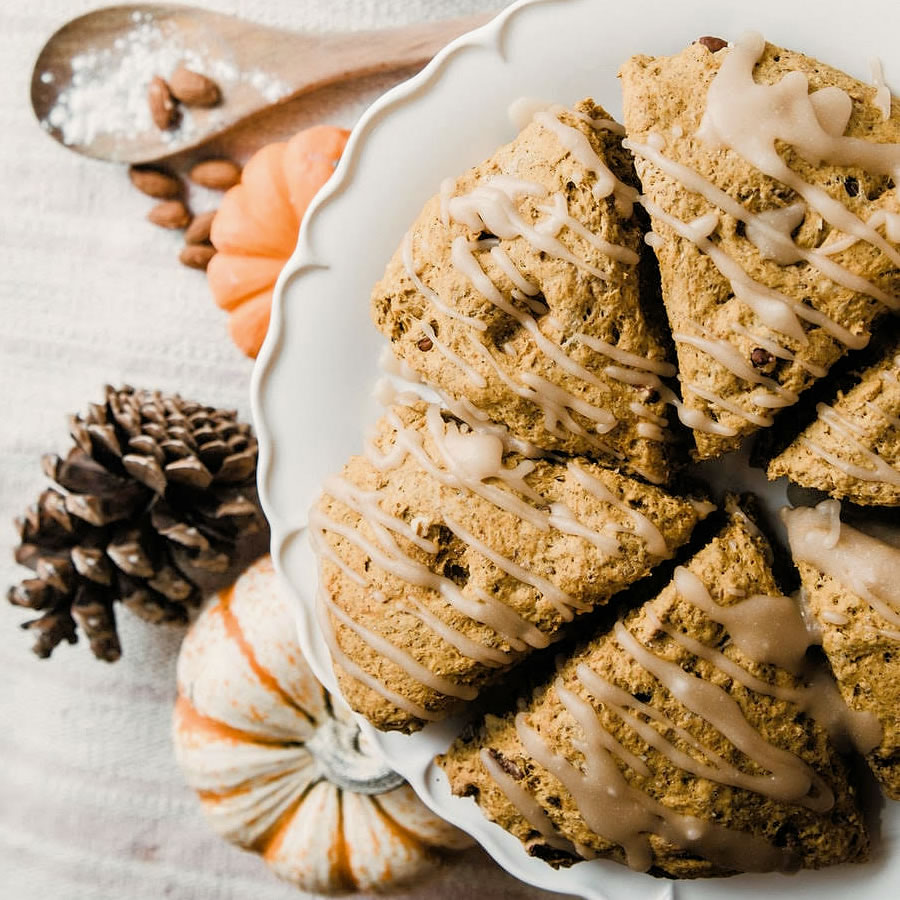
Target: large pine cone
157, 491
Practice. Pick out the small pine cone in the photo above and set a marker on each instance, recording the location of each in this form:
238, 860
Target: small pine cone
156, 490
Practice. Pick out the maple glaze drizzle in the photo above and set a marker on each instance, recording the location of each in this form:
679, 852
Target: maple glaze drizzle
853, 435
862, 564
766, 629
492, 206
468, 460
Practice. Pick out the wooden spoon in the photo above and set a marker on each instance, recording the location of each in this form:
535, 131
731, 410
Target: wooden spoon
255, 67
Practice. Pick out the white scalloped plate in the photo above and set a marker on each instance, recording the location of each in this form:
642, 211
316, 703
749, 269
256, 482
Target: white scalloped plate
312, 387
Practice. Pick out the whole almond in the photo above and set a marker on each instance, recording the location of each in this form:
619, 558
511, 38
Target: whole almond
170, 214
162, 104
218, 174
194, 89
198, 231
196, 256
155, 182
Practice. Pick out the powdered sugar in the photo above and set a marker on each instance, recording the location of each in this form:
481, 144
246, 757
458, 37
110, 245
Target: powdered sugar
108, 90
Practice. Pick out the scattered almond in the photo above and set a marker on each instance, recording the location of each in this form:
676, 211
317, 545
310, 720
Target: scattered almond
155, 182
162, 104
194, 89
198, 231
218, 174
170, 214
196, 256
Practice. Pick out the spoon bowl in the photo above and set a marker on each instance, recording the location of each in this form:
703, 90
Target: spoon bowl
81, 98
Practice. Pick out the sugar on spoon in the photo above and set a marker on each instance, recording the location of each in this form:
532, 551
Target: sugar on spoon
255, 67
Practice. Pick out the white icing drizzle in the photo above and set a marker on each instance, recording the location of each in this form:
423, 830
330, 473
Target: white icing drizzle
576, 142
506, 265
465, 262
763, 421
527, 807
446, 191
749, 117
557, 218
882, 98
790, 778
767, 629
400, 658
695, 182
487, 656
819, 697
555, 408
863, 565
625, 357
641, 525
429, 294
361, 675
779, 351
474, 377
471, 460
876, 468
730, 358
626, 816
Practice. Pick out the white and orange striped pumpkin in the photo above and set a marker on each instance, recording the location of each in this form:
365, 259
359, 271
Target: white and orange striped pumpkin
278, 763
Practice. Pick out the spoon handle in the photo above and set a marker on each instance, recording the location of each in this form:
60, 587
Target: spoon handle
305, 62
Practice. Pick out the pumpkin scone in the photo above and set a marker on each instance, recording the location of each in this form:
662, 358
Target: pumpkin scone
445, 558
851, 583
516, 294
770, 179
679, 742
852, 449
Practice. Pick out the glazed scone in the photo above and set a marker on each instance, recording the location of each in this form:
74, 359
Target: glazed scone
755, 162
672, 743
851, 584
852, 449
444, 559
516, 293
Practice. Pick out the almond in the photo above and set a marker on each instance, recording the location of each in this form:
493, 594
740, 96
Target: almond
198, 231
162, 104
196, 256
218, 174
170, 214
194, 89
155, 182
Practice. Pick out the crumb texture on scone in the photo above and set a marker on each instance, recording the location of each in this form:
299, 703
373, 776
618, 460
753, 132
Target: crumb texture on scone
770, 182
445, 557
516, 294
679, 742
851, 585
852, 449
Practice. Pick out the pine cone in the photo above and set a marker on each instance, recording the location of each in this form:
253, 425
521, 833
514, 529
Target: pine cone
156, 492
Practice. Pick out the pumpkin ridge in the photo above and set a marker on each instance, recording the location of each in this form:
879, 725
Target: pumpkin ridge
266, 678
340, 868
404, 835
195, 720
269, 843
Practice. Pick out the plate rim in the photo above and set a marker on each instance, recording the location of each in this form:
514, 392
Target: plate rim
581, 879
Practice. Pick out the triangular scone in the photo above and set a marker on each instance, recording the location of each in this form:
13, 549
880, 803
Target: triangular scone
764, 292
515, 293
851, 586
662, 744
852, 449
444, 560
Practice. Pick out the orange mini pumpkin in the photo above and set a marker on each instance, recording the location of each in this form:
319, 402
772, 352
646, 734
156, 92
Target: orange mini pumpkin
255, 229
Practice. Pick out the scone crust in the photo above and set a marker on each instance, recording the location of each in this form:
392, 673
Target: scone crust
873, 406
386, 604
662, 93
608, 308
865, 660
732, 565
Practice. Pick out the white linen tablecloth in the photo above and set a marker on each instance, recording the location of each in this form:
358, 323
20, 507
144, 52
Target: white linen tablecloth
92, 806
